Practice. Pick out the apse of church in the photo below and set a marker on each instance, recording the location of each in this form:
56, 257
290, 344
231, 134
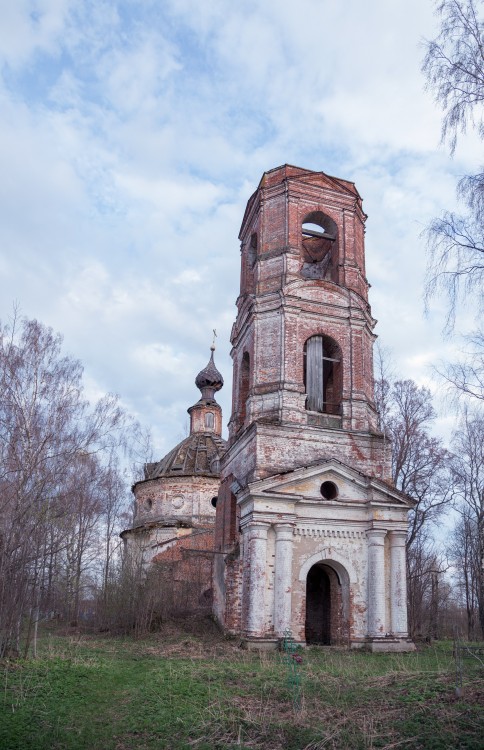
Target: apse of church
309, 531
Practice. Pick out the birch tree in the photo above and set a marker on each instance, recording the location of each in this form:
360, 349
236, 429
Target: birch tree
48, 431
454, 69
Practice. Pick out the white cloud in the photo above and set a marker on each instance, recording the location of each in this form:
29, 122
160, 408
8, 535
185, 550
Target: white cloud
189, 276
29, 27
132, 135
161, 358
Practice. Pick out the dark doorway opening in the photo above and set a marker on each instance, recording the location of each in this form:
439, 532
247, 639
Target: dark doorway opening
318, 606
323, 606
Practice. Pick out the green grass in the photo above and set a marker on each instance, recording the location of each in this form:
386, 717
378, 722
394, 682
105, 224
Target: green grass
187, 687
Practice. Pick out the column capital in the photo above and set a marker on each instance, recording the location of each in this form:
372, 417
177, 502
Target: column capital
398, 538
376, 536
256, 528
284, 530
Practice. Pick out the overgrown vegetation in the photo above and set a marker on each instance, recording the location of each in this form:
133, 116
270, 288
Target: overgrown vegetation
188, 687
63, 495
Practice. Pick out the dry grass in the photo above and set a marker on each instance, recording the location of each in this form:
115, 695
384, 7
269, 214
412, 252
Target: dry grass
189, 687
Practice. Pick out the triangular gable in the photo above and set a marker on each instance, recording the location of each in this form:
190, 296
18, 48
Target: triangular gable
305, 484
309, 176
321, 179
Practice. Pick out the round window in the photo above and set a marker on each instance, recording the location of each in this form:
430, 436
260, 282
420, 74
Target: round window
214, 501
329, 490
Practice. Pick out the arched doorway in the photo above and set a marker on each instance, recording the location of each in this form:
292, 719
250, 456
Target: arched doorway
325, 616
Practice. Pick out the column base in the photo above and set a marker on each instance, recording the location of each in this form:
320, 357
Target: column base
389, 644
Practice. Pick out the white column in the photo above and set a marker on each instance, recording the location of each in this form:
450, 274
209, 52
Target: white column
398, 583
283, 578
255, 596
376, 582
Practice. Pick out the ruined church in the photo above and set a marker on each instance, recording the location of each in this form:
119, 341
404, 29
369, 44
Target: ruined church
303, 527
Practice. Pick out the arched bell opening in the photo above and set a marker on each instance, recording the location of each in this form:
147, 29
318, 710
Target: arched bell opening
327, 605
319, 247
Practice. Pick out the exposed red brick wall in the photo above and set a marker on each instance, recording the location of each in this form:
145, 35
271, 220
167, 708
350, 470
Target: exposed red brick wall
226, 519
291, 309
233, 595
197, 540
185, 566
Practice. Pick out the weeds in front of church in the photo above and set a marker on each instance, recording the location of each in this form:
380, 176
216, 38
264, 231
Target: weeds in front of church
188, 687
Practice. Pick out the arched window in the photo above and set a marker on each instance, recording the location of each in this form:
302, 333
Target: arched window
323, 375
244, 386
319, 245
252, 254
209, 420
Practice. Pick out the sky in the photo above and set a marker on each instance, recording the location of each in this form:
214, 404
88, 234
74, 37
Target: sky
132, 134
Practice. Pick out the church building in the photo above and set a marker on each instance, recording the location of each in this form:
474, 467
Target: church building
309, 530
174, 506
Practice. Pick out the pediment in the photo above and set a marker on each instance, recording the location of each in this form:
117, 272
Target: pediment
330, 481
326, 181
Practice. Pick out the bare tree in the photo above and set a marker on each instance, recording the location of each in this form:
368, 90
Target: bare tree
52, 445
419, 460
115, 515
420, 468
384, 377
468, 490
85, 491
454, 68
466, 377
426, 586
463, 553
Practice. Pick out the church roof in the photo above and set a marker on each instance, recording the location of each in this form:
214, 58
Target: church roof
198, 455
298, 174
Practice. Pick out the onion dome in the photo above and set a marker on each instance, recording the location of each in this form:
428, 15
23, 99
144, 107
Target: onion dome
209, 380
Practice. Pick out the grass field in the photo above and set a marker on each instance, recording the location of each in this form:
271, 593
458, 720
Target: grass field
188, 687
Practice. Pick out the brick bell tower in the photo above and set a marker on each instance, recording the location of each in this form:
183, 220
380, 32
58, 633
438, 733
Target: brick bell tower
303, 412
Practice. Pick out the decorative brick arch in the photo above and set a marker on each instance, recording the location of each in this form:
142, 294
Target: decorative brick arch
343, 567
